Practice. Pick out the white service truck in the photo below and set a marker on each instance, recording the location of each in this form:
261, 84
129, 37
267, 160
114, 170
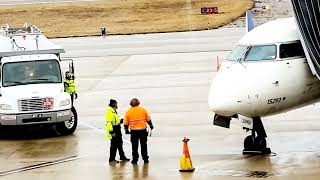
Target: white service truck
32, 82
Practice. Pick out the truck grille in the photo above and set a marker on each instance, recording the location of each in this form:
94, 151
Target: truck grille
35, 104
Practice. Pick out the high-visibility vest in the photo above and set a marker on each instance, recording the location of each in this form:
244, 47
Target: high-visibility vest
136, 118
112, 119
70, 86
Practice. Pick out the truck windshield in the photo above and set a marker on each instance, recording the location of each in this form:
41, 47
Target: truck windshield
31, 72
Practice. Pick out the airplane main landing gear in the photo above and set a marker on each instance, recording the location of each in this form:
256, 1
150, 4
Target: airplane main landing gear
256, 144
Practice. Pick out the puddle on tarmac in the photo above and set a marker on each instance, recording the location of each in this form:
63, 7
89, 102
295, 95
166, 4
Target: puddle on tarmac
251, 174
259, 174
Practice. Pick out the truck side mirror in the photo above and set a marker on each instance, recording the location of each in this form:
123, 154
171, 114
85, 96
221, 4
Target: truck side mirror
71, 67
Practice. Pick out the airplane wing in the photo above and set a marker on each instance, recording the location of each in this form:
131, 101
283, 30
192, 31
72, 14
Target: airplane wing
307, 15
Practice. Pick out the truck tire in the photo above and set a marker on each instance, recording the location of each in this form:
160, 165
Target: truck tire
68, 127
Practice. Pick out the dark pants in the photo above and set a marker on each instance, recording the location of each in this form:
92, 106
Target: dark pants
116, 144
72, 98
142, 136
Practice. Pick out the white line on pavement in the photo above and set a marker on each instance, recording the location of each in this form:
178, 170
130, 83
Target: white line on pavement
99, 131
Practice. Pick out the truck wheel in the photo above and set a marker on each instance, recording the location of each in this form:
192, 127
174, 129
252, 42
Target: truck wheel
68, 127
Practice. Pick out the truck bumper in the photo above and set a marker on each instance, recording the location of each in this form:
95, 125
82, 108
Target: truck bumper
35, 118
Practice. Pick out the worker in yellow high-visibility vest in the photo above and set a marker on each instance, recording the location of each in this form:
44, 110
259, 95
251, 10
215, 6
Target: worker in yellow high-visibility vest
113, 132
70, 86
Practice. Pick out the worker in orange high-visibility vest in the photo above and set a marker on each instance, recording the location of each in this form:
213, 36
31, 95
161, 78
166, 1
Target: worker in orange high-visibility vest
137, 119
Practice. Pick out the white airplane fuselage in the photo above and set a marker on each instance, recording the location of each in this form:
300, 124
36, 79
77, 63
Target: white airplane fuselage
264, 87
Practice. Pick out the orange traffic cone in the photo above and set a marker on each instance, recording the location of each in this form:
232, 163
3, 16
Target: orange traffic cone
185, 159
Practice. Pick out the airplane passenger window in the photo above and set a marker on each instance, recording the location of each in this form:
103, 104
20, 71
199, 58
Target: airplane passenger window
236, 53
263, 52
291, 50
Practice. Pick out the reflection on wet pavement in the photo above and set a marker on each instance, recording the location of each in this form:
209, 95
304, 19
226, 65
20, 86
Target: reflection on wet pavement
125, 170
27, 132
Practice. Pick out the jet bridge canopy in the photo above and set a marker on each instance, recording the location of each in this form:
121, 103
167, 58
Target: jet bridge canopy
26, 40
307, 15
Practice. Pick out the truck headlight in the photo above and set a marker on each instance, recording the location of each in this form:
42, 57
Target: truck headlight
5, 107
65, 102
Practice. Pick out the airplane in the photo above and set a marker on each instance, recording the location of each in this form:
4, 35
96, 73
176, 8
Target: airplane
272, 69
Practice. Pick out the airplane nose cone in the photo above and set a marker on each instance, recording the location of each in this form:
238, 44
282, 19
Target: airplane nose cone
222, 94
218, 100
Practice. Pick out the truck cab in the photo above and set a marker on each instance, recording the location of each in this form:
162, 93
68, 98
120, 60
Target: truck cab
32, 81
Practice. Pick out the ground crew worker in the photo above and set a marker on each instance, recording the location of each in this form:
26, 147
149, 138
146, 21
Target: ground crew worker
137, 118
113, 132
70, 86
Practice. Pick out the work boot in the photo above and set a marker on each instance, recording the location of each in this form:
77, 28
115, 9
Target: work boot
124, 159
134, 161
146, 161
113, 162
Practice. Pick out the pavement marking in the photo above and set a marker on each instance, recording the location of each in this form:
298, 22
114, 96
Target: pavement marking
209, 164
41, 165
217, 162
100, 131
142, 53
95, 129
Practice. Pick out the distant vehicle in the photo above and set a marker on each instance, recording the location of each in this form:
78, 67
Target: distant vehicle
32, 83
268, 72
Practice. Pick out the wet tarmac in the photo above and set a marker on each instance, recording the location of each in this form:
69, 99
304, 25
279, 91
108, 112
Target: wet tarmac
173, 86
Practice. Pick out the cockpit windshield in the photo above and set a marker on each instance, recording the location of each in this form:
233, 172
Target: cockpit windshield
237, 53
253, 53
258, 53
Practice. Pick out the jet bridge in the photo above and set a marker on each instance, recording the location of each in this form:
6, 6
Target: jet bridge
307, 15
26, 40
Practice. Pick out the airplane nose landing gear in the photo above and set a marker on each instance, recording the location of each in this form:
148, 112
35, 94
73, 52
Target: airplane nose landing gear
256, 144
